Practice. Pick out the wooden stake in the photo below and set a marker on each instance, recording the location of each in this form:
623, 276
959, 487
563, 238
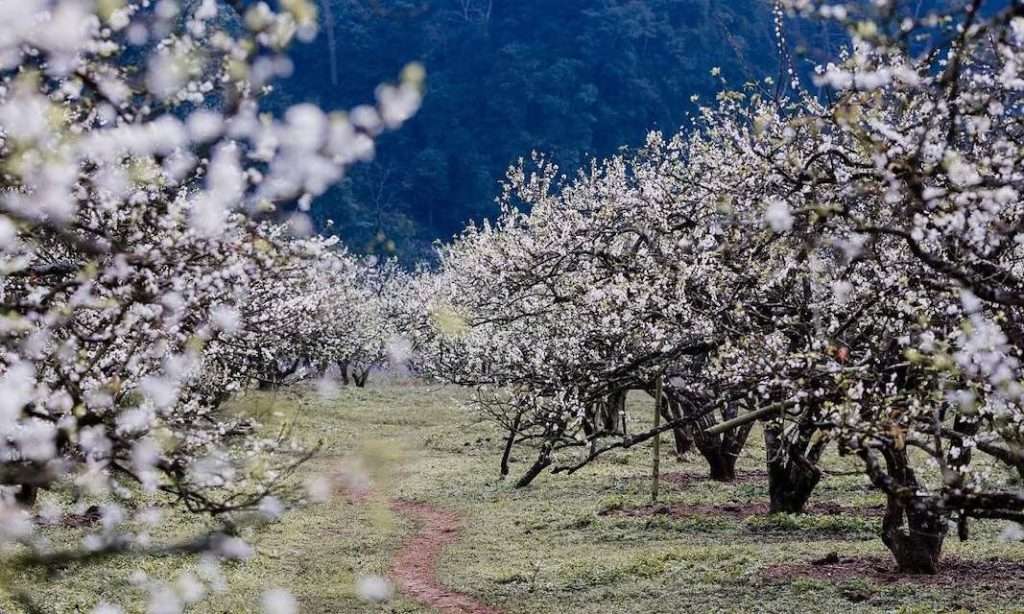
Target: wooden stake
656, 462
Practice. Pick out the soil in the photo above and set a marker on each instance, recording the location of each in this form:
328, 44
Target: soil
739, 511
953, 572
414, 568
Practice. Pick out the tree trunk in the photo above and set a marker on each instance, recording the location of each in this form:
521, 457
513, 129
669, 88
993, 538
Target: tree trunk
721, 451
918, 546
659, 398
912, 529
722, 466
791, 475
605, 416
359, 376
790, 486
589, 421
617, 412
508, 446
542, 463
670, 411
608, 413
289, 370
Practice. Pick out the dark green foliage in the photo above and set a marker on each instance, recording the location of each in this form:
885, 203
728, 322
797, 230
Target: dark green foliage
569, 78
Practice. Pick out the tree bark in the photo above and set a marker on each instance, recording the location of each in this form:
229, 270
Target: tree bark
656, 462
720, 450
792, 470
609, 413
670, 411
606, 416
790, 485
542, 463
360, 376
912, 529
617, 411
916, 547
508, 446
722, 466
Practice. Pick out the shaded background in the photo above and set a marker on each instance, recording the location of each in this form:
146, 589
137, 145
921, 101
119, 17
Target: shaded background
572, 79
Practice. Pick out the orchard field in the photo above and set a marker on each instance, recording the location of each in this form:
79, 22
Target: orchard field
803, 311
584, 544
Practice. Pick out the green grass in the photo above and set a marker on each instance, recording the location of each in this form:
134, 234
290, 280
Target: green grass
548, 548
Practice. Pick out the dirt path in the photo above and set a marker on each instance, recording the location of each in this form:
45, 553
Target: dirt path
414, 567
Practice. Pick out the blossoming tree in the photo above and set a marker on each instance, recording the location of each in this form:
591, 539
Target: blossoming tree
138, 178
843, 268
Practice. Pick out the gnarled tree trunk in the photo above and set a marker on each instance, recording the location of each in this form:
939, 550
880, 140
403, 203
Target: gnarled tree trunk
360, 376
670, 411
606, 416
721, 451
912, 529
917, 544
615, 412
790, 484
722, 465
792, 464
278, 373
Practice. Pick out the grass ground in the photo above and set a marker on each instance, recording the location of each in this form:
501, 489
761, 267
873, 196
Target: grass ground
559, 546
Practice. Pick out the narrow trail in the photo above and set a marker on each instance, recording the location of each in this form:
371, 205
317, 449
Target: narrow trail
414, 567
